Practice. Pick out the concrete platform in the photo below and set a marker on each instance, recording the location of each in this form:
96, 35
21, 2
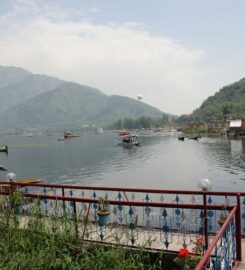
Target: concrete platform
241, 264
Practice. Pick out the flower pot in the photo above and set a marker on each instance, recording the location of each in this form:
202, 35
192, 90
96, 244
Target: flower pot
221, 221
104, 217
18, 209
222, 218
132, 226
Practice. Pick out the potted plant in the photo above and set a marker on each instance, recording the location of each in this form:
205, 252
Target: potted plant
103, 211
17, 201
222, 217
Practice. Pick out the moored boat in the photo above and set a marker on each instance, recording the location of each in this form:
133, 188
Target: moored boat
2, 168
194, 138
68, 135
4, 148
18, 184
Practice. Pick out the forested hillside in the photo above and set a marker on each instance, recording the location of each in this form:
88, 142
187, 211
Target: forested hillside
228, 102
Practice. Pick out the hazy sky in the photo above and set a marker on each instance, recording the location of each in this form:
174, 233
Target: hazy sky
175, 53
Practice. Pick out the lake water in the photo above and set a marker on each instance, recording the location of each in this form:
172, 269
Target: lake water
160, 162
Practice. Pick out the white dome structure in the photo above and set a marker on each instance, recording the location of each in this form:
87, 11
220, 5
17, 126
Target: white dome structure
140, 97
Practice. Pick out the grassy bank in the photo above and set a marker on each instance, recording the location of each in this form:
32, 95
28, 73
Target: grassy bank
203, 132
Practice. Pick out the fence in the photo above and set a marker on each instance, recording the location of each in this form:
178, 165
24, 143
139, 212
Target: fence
221, 254
157, 219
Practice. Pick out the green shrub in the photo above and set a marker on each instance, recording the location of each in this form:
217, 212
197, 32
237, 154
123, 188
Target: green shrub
52, 244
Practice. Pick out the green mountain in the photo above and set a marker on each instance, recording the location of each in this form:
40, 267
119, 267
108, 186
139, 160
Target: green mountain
12, 75
43, 102
228, 102
22, 90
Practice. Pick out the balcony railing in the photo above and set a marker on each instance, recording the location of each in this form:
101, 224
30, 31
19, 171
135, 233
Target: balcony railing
157, 219
221, 254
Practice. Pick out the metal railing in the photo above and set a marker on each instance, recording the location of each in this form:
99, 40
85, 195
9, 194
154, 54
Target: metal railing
221, 254
159, 219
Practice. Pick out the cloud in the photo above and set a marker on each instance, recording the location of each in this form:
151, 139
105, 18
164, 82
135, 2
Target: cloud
118, 59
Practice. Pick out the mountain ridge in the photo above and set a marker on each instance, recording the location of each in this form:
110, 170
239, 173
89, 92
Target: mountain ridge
228, 102
41, 101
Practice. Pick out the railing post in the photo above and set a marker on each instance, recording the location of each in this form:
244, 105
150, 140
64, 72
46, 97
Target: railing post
75, 217
238, 229
85, 224
205, 219
11, 195
217, 243
64, 204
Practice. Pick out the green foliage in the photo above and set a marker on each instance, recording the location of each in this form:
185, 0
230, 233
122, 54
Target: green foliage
30, 249
52, 244
187, 261
16, 198
103, 205
141, 122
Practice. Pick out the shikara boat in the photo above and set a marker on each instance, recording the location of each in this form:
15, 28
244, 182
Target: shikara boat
123, 132
129, 140
18, 184
68, 135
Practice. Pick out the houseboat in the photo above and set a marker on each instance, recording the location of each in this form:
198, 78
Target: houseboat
236, 127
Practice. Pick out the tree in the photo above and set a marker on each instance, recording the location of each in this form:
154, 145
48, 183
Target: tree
227, 109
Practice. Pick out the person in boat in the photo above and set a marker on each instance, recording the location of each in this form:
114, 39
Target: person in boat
126, 139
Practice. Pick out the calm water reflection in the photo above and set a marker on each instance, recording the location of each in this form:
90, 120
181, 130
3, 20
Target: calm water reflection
161, 161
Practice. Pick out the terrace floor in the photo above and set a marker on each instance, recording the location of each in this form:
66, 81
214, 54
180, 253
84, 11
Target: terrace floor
242, 263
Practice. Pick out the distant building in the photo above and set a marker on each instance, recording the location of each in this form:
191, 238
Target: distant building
237, 125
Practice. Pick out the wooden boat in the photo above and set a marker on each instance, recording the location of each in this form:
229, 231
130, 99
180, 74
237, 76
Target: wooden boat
68, 135
4, 148
123, 132
18, 184
194, 138
2, 168
181, 138
129, 140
